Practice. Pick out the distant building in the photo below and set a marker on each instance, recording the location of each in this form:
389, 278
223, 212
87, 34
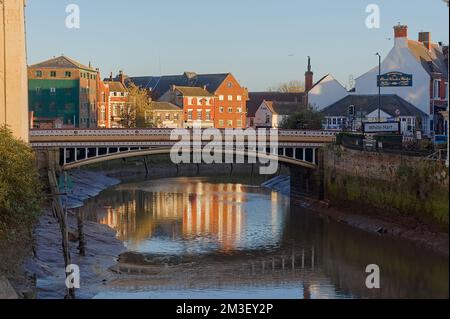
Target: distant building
166, 115
257, 98
64, 88
272, 114
353, 110
119, 103
104, 115
231, 98
197, 103
326, 92
416, 71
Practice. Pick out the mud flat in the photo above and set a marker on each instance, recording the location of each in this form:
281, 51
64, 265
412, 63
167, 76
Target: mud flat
46, 264
405, 227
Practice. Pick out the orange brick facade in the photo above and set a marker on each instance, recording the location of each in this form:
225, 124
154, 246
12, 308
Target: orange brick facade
231, 104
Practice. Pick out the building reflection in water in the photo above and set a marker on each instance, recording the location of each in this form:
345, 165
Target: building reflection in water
201, 211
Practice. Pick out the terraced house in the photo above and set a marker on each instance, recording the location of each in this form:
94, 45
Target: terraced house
197, 103
63, 91
230, 110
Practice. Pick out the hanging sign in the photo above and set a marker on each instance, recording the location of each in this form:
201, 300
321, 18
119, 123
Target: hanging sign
395, 79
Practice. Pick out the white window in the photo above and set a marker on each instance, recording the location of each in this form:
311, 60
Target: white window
230, 123
230, 97
239, 110
239, 98
239, 123
52, 90
221, 98
437, 86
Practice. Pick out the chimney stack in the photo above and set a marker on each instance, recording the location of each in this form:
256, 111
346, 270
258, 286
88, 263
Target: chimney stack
309, 77
121, 77
401, 36
425, 38
111, 77
401, 31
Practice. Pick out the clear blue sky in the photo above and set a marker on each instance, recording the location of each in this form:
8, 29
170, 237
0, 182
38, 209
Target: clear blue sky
262, 42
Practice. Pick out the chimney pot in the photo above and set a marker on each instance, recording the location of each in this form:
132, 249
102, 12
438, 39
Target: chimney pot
401, 31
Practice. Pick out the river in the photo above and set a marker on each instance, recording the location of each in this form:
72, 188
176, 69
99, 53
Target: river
222, 237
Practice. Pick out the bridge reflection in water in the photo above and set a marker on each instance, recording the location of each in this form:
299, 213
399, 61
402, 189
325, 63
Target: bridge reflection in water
230, 240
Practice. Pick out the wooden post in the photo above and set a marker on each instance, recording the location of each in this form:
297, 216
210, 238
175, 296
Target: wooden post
81, 239
146, 166
59, 212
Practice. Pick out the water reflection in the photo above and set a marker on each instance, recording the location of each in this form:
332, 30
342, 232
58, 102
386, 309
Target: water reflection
192, 216
241, 240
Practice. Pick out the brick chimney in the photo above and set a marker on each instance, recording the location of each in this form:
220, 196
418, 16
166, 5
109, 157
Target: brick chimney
425, 38
121, 77
401, 31
401, 35
309, 77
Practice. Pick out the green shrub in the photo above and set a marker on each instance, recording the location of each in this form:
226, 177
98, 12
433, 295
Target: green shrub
20, 189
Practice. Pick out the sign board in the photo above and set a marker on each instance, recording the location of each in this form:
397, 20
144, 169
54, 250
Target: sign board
395, 79
382, 127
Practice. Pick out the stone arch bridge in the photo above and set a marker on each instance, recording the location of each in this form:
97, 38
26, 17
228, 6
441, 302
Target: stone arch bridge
68, 149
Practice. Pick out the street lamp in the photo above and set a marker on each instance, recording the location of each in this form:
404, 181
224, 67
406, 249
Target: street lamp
379, 86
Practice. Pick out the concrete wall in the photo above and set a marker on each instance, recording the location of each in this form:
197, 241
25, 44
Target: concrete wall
387, 183
13, 71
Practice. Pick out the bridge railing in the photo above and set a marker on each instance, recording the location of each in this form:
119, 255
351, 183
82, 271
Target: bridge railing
160, 132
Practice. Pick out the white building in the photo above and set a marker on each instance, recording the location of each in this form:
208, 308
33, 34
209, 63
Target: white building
417, 72
354, 110
326, 92
272, 114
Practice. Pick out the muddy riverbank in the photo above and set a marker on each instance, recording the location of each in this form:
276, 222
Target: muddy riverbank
406, 227
100, 268
46, 265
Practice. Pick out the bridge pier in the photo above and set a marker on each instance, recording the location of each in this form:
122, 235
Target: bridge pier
306, 182
48, 159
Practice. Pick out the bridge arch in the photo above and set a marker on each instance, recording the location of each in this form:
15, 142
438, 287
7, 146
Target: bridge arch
292, 161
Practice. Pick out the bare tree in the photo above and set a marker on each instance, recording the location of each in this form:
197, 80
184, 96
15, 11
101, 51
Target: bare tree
140, 109
293, 86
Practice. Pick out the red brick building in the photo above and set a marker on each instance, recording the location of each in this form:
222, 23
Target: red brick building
104, 116
197, 103
230, 109
119, 102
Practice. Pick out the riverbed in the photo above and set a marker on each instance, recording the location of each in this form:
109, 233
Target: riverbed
228, 237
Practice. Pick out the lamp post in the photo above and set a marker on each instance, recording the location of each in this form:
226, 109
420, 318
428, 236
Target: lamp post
379, 86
